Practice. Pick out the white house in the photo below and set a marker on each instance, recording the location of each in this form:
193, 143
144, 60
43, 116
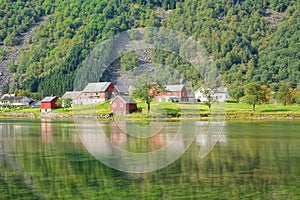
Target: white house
13, 100
202, 94
219, 94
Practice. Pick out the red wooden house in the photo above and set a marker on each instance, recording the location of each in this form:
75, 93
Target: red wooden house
173, 92
96, 93
48, 104
122, 105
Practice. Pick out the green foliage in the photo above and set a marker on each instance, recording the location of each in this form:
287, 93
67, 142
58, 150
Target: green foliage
12, 68
285, 94
16, 17
280, 58
67, 103
253, 94
298, 95
236, 92
59, 103
129, 61
238, 35
145, 89
70, 31
2, 54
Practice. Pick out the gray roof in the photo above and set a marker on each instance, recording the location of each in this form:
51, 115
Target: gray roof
126, 99
48, 99
36, 104
174, 88
221, 90
71, 95
96, 87
13, 98
121, 89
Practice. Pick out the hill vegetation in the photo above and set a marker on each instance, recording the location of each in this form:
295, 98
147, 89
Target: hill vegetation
250, 41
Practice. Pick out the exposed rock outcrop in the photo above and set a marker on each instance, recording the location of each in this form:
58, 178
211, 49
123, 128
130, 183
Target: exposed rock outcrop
13, 54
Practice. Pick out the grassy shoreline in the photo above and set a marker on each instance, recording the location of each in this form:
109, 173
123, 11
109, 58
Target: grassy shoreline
173, 111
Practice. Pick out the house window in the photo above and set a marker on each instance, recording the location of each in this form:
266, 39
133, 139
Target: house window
121, 105
114, 105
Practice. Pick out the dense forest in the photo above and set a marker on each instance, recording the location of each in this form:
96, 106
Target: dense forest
250, 41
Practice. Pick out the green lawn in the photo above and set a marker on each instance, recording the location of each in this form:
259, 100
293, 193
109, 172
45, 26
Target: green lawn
233, 110
35, 111
240, 107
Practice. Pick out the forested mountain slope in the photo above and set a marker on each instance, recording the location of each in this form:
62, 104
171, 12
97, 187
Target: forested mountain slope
248, 40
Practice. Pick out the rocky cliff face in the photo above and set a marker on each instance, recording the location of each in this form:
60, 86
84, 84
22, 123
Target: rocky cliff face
13, 55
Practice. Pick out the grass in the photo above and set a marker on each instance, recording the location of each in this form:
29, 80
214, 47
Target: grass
241, 110
34, 111
240, 107
103, 108
168, 109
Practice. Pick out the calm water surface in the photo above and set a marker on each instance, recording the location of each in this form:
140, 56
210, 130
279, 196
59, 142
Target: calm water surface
50, 160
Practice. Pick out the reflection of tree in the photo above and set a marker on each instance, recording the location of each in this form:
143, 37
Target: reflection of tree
257, 161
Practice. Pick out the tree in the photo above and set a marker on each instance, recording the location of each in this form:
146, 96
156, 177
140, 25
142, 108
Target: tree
66, 103
236, 93
129, 61
12, 68
285, 94
208, 95
298, 95
2, 54
266, 94
146, 90
254, 94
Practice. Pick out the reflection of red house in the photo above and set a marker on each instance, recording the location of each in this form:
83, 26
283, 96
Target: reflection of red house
48, 104
117, 137
122, 105
157, 141
96, 93
178, 91
46, 130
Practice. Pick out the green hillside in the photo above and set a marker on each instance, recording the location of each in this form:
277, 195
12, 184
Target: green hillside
250, 41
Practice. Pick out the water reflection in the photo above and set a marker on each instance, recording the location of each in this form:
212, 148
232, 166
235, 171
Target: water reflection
137, 154
249, 161
46, 130
209, 133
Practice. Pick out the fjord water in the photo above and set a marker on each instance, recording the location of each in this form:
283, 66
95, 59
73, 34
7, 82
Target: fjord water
46, 159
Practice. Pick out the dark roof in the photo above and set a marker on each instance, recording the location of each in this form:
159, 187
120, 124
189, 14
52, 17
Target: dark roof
48, 99
13, 98
35, 104
96, 87
71, 95
126, 99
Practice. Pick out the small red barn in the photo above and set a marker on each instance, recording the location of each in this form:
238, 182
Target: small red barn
122, 105
48, 104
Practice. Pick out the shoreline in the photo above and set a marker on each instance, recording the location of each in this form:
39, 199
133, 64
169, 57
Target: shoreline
108, 117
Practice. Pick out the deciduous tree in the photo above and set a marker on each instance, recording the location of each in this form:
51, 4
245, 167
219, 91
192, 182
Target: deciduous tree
146, 90
254, 94
285, 94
